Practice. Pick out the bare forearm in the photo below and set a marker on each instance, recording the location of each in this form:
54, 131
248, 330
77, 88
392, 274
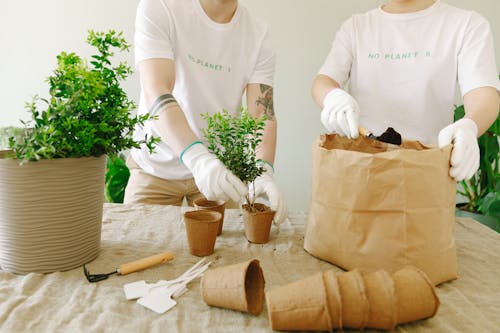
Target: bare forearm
260, 100
157, 80
267, 149
322, 84
174, 129
481, 105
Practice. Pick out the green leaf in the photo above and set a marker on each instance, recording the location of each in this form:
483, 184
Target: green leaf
88, 113
117, 175
491, 205
234, 138
483, 188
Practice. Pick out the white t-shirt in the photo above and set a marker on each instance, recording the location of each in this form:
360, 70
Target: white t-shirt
403, 68
213, 65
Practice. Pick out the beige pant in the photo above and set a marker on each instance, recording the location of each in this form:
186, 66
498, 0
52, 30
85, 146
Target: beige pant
147, 189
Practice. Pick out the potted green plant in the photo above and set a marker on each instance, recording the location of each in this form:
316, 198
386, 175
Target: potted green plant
52, 179
9, 132
234, 140
482, 191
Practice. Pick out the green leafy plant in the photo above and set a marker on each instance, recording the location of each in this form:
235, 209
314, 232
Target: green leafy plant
234, 140
88, 112
117, 175
483, 189
9, 132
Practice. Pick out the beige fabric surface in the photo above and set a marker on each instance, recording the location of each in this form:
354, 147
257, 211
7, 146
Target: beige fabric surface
66, 302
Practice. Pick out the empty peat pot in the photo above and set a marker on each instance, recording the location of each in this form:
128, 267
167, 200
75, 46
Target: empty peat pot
201, 230
237, 287
215, 205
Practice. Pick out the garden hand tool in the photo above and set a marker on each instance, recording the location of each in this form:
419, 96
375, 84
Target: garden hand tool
159, 296
140, 288
131, 267
160, 299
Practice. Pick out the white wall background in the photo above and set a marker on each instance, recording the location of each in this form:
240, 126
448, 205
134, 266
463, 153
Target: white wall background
33, 32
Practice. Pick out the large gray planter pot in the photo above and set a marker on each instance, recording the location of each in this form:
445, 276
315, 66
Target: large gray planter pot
50, 213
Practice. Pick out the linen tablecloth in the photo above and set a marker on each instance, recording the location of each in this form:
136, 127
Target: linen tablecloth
66, 302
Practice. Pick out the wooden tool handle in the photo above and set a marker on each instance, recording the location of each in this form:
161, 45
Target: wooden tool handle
140, 264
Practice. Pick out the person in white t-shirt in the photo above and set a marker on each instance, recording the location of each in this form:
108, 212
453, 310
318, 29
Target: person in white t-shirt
403, 61
194, 57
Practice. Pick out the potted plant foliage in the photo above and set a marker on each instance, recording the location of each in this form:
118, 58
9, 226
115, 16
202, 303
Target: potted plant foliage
117, 175
9, 132
234, 140
52, 179
482, 191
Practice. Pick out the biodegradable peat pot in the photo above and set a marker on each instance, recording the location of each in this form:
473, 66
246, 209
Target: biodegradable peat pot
415, 293
333, 298
201, 230
50, 213
326, 301
299, 306
381, 295
258, 223
215, 205
237, 287
355, 306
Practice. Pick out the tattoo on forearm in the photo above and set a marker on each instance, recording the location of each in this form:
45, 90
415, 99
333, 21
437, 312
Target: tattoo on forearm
161, 102
267, 100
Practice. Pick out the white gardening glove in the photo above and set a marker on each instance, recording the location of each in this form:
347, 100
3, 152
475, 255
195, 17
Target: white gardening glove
465, 154
340, 113
265, 187
213, 179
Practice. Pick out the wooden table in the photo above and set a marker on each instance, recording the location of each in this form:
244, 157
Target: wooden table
66, 302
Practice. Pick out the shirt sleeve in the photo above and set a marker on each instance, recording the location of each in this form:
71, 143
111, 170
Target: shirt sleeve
266, 60
476, 57
339, 61
153, 30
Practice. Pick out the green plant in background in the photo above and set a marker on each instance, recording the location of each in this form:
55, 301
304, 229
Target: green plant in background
88, 112
234, 140
7, 132
117, 175
483, 189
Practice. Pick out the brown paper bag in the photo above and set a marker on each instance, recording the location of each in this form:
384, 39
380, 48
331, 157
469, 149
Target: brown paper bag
374, 207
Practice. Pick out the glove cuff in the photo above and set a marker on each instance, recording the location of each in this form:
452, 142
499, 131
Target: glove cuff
468, 124
268, 167
189, 154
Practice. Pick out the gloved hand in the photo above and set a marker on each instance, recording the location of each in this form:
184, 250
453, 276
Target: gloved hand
265, 186
465, 154
340, 113
213, 179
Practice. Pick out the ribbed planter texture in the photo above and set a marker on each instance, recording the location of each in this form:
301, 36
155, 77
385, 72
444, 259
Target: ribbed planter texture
50, 213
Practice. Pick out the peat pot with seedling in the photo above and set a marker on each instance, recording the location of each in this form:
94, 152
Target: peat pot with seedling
52, 177
234, 139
